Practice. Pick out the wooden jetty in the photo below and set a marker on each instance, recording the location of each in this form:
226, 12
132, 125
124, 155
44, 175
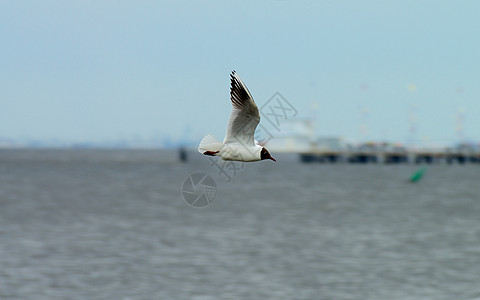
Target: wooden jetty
393, 155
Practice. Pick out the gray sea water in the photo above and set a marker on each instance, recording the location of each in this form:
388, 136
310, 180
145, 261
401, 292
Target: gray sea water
111, 224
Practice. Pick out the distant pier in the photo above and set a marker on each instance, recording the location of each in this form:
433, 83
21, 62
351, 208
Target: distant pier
401, 157
332, 150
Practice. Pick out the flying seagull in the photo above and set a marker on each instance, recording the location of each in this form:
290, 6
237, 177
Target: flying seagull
239, 143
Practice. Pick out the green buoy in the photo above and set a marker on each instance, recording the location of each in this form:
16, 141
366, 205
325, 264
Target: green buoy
417, 175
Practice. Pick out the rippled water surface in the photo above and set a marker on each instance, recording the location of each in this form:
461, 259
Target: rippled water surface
110, 224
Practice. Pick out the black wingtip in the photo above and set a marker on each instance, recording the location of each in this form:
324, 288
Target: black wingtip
232, 79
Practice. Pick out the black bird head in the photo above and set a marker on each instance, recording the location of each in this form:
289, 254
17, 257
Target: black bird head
264, 154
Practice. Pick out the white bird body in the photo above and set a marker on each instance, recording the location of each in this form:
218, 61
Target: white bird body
230, 151
239, 143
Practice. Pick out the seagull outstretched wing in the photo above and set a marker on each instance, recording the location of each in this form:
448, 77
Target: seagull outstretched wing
244, 117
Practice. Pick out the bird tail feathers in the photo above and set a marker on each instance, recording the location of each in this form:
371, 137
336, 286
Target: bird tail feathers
209, 144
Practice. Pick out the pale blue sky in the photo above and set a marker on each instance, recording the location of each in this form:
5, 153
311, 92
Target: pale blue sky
106, 70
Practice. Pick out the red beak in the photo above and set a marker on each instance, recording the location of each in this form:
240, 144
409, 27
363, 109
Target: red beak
273, 159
